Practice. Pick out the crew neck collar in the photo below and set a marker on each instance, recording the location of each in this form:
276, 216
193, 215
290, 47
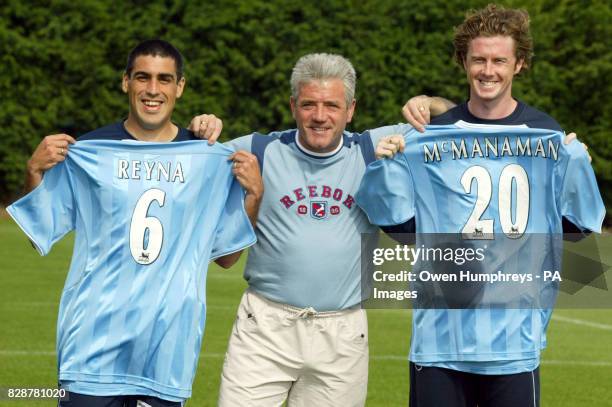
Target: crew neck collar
314, 153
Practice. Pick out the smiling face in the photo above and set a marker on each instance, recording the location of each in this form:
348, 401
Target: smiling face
490, 65
152, 89
321, 114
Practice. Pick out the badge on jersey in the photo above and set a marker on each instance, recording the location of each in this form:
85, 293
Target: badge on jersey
318, 209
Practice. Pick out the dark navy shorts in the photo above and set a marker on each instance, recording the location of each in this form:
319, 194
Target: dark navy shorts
435, 387
82, 400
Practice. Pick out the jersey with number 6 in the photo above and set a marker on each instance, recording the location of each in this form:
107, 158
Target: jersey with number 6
480, 181
148, 217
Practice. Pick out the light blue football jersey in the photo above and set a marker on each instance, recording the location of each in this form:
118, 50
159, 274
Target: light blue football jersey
482, 181
148, 218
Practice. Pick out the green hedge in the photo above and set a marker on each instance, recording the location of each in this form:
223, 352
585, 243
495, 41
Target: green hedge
61, 63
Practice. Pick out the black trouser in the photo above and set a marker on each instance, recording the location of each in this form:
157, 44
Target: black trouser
82, 400
438, 387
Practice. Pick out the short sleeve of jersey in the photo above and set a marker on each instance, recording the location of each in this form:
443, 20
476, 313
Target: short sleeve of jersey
47, 213
386, 193
240, 143
579, 199
234, 231
380, 132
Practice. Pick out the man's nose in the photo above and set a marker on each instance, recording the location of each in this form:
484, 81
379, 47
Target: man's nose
319, 114
153, 86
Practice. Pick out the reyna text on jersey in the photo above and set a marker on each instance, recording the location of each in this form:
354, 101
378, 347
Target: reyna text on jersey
150, 170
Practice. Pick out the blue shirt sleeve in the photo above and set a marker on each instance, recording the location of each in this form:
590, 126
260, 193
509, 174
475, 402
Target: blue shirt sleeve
240, 143
47, 213
579, 199
380, 132
386, 193
234, 231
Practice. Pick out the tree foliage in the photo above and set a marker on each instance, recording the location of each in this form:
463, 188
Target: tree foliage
62, 63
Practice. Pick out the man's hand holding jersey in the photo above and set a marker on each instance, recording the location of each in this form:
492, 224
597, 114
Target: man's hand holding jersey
419, 109
246, 170
207, 127
49, 152
417, 112
245, 166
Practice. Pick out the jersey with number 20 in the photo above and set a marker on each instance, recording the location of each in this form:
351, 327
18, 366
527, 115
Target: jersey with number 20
482, 180
148, 217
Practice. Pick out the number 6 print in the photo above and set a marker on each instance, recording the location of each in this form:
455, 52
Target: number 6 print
139, 225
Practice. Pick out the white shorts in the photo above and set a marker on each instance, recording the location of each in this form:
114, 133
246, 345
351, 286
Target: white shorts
278, 352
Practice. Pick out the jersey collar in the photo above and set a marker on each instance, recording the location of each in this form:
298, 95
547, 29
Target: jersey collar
314, 153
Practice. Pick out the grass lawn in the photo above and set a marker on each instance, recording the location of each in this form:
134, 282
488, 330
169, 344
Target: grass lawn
576, 367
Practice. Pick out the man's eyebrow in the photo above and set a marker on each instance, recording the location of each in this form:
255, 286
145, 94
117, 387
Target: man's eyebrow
166, 75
